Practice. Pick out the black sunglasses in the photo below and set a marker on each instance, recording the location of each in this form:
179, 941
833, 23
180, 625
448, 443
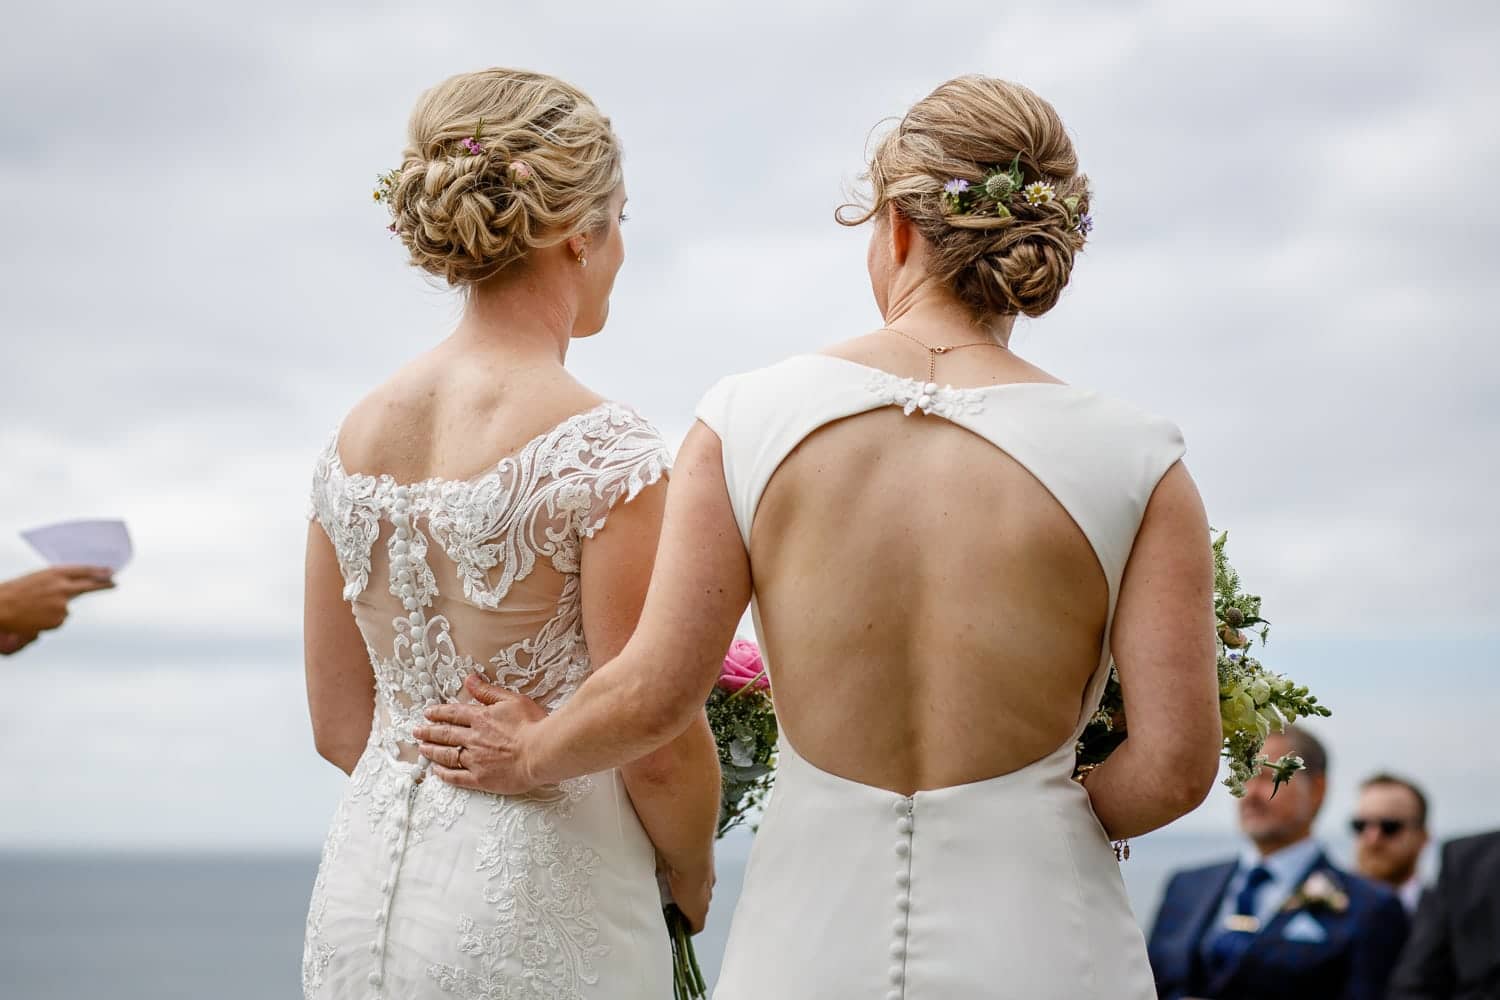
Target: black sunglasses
1388, 827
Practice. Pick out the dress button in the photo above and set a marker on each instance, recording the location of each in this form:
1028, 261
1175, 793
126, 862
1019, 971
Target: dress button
424, 677
399, 548
895, 995
420, 662
411, 604
374, 947
427, 692
899, 927
375, 978
395, 852
924, 401
903, 848
385, 885
903, 879
904, 824
930, 388
898, 950
379, 917
407, 590
903, 903
898, 974
903, 807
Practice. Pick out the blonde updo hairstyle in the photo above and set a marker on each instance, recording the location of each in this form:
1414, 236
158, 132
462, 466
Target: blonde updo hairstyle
997, 265
546, 164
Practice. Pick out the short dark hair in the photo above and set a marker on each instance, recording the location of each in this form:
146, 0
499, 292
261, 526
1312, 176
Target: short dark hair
1386, 778
1307, 746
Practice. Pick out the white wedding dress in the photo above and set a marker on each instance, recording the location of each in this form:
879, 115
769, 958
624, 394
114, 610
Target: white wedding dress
1006, 887
426, 890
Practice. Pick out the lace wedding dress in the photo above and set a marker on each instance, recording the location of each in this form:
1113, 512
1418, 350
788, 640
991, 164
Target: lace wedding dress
427, 890
1006, 887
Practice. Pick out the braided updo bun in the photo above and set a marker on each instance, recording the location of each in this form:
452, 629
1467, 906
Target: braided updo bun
498, 163
998, 262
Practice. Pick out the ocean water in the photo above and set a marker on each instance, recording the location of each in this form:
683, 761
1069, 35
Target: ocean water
81, 926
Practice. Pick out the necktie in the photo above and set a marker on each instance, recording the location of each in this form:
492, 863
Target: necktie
1231, 944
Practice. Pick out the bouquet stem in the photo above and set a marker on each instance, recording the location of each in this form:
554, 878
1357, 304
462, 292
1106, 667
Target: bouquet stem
687, 977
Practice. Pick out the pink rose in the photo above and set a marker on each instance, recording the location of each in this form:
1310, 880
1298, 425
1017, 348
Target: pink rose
742, 666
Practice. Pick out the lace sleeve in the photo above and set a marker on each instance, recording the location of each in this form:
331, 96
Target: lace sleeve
319, 502
624, 454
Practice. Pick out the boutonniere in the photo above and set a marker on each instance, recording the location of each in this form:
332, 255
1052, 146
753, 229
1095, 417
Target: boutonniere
1318, 892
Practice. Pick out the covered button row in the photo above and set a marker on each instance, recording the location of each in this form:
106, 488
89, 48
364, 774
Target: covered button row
903, 808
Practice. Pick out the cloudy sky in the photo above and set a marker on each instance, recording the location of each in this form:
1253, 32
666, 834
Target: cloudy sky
1294, 255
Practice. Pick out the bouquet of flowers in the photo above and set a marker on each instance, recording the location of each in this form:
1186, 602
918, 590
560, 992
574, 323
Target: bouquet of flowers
744, 727
1253, 701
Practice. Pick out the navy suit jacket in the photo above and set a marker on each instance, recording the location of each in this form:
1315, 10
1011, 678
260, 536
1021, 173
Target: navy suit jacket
1353, 962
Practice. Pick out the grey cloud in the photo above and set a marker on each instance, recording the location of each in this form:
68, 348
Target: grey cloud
1292, 260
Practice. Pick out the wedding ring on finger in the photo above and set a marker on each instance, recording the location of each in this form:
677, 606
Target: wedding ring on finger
458, 757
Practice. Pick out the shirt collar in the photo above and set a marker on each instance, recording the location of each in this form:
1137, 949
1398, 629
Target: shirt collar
1286, 865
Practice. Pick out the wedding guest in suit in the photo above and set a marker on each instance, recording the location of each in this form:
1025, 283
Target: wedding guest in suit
1454, 951
1390, 827
1281, 921
37, 602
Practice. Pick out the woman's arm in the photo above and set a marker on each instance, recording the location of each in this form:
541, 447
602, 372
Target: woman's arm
1164, 649
340, 683
654, 690
675, 790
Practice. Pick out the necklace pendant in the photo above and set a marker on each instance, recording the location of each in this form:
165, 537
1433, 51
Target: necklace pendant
940, 350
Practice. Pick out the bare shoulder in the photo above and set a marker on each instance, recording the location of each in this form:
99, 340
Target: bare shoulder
447, 415
394, 407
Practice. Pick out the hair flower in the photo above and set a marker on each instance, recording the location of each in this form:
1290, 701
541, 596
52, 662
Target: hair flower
998, 186
1039, 193
473, 146
1084, 224
956, 186
385, 185
520, 171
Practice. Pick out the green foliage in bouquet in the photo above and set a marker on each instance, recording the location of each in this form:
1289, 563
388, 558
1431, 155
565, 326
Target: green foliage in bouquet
744, 727
1253, 701
743, 721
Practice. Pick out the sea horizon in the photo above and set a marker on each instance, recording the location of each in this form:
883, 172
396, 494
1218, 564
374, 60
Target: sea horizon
155, 924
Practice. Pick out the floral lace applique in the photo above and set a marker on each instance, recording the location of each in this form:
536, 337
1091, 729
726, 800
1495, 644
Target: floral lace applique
932, 399
544, 939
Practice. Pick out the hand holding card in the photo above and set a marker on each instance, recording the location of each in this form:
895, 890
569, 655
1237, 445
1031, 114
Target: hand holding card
82, 543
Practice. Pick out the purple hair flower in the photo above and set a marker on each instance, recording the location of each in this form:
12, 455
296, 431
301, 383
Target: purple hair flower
474, 146
956, 186
1085, 224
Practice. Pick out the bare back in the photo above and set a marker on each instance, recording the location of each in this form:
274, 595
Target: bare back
934, 571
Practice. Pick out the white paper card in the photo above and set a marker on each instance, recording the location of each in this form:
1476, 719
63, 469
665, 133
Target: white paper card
82, 543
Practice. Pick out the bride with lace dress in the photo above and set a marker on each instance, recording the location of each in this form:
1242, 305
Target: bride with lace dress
483, 515
943, 548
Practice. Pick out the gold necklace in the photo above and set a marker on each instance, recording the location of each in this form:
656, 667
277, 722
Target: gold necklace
933, 352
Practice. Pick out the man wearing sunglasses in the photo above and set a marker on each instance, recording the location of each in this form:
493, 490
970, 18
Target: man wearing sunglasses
1390, 830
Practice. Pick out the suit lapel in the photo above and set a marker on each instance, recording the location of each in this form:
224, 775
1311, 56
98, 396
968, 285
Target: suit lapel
1269, 930
1200, 918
